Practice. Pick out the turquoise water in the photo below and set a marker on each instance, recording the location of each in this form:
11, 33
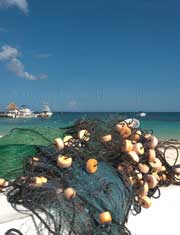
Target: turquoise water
164, 125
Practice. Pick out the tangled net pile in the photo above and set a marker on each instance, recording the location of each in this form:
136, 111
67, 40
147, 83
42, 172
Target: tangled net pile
87, 181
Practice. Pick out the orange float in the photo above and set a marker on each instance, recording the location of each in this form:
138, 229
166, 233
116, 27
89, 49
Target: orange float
106, 138
120, 125
145, 202
152, 181
43, 179
144, 188
67, 139
3, 183
152, 142
163, 168
141, 188
138, 148
127, 146
36, 159
151, 155
33, 160
133, 155
177, 171
125, 132
136, 136
147, 135
132, 180
163, 177
84, 135
69, 193
120, 168
155, 174
143, 168
138, 175
105, 217
39, 180
59, 143
156, 164
91, 165
64, 161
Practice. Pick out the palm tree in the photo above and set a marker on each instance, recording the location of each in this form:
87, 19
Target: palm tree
12, 106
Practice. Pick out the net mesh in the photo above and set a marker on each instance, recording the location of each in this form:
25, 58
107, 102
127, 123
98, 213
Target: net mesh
69, 196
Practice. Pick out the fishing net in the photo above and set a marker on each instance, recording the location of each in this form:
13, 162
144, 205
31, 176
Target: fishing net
87, 181
20, 143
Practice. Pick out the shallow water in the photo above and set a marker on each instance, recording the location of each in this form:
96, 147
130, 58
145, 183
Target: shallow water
164, 125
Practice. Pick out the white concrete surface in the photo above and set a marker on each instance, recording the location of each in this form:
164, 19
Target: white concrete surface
161, 219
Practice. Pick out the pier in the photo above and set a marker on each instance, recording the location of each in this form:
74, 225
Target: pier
3, 115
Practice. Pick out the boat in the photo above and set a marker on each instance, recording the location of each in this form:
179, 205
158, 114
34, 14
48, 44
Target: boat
46, 113
22, 112
25, 112
142, 114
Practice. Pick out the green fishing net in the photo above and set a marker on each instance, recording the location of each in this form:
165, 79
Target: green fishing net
20, 143
100, 195
30, 154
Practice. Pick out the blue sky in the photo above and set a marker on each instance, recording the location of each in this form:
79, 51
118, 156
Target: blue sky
96, 55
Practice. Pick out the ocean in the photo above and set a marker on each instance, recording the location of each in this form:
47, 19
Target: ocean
164, 125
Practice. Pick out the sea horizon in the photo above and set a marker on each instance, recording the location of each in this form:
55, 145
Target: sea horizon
165, 125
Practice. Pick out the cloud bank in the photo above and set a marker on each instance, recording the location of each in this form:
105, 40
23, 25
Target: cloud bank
10, 55
8, 52
21, 4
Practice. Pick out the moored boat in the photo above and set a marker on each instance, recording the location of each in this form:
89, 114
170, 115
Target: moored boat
46, 113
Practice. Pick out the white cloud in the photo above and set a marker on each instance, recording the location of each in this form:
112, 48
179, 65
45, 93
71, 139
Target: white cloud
8, 52
10, 55
16, 66
21, 4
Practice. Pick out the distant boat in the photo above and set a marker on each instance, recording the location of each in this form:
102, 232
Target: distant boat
46, 113
22, 112
142, 114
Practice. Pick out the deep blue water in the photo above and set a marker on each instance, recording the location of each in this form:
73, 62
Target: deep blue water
165, 125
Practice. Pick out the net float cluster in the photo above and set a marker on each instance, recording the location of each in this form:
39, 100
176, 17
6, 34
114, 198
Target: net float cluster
137, 159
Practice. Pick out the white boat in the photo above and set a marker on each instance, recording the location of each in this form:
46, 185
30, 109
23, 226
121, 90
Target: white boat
142, 114
46, 113
22, 112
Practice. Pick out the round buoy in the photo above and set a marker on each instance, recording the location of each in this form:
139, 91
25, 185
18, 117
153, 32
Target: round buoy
106, 138
64, 161
69, 193
138, 148
84, 135
59, 143
91, 166
125, 132
156, 164
145, 202
133, 155
152, 142
127, 146
105, 217
143, 168
136, 136
152, 181
67, 140
151, 155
